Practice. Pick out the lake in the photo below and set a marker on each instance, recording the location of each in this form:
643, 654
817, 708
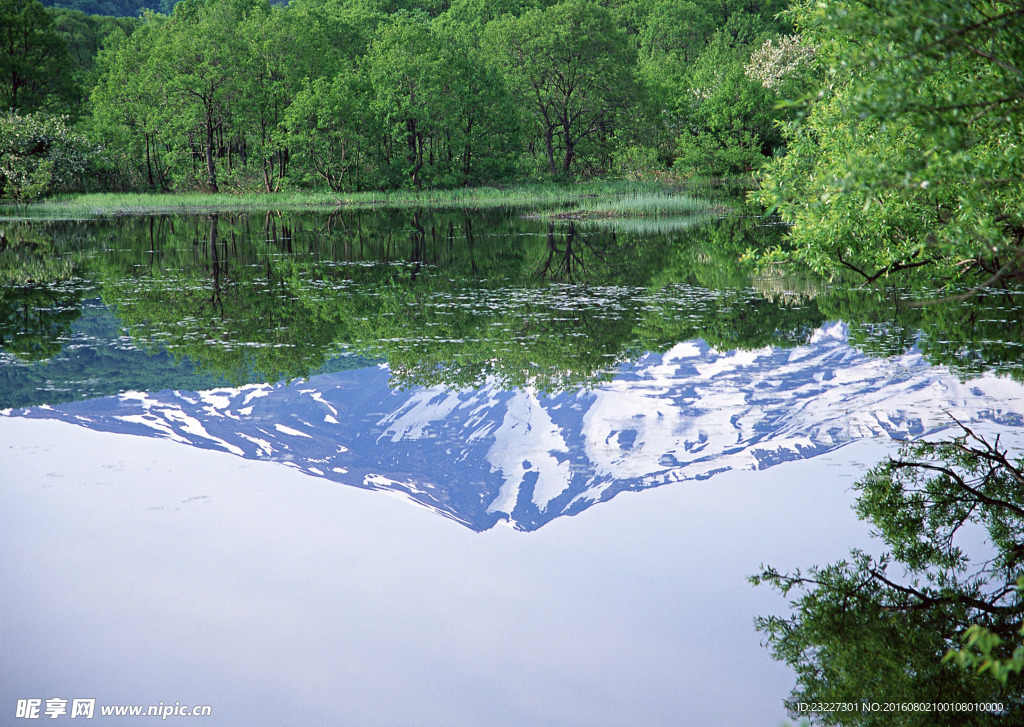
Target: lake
591, 433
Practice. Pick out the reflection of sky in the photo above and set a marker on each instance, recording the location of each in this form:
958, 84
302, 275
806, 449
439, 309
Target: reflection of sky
141, 570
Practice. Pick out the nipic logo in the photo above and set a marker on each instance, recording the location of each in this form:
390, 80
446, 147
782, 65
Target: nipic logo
30, 708
57, 707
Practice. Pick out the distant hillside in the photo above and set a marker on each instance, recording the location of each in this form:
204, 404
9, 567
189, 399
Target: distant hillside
121, 8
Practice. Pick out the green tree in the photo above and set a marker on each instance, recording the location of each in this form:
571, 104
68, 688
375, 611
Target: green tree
443, 109
287, 51
86, 34
328, 131
267, 84
35, 69
572, 67
39, 154
909, 155
862, 632
474, 15
128, 108
985, 651
198, 61
676, 29
481, 135
712, 118
406, 76
729, 125
748, 23
350, 26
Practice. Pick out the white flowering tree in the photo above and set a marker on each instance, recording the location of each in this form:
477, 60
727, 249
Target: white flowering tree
779, 60
39, 154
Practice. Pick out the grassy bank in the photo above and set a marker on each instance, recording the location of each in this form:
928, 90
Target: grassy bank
635, 203
582, 200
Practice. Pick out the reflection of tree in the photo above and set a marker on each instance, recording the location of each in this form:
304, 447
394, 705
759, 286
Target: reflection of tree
38, 301
711, 255
452, 298
467, 305
445, 297
876, 629
727, 315
232, 313
571, 258
987, 334
35, 320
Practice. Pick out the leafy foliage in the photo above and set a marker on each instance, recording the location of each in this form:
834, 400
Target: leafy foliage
909, 156
367, 94
35, 69
860, 632
569, 64
982, 651
38, 154
731, 118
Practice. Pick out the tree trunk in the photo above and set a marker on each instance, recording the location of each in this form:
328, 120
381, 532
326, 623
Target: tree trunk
211, 168
266, 177
549, 140
467, 154
570, 147
415, 155
149, 164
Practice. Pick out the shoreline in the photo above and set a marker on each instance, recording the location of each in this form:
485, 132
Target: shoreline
586, 200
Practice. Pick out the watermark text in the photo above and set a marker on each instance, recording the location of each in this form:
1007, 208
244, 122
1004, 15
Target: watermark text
87, 709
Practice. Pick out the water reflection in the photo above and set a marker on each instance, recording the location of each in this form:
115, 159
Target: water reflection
486, 454
491, 368
488, 366
138, 570
444, 298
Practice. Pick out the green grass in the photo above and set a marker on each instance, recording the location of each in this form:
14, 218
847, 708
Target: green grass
650, 225
638, 203
582, 200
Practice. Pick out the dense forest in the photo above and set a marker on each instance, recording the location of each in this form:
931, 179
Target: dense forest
376, 94
889, 137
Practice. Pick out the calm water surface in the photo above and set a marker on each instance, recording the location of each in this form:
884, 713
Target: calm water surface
200, 415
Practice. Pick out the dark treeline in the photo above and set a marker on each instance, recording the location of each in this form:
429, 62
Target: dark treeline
113, 8
370, 94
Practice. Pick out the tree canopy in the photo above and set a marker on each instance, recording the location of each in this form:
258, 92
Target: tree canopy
371, 94
35, 68
908, 155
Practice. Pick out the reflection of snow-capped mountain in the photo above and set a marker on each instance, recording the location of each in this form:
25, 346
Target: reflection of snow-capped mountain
485, 455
